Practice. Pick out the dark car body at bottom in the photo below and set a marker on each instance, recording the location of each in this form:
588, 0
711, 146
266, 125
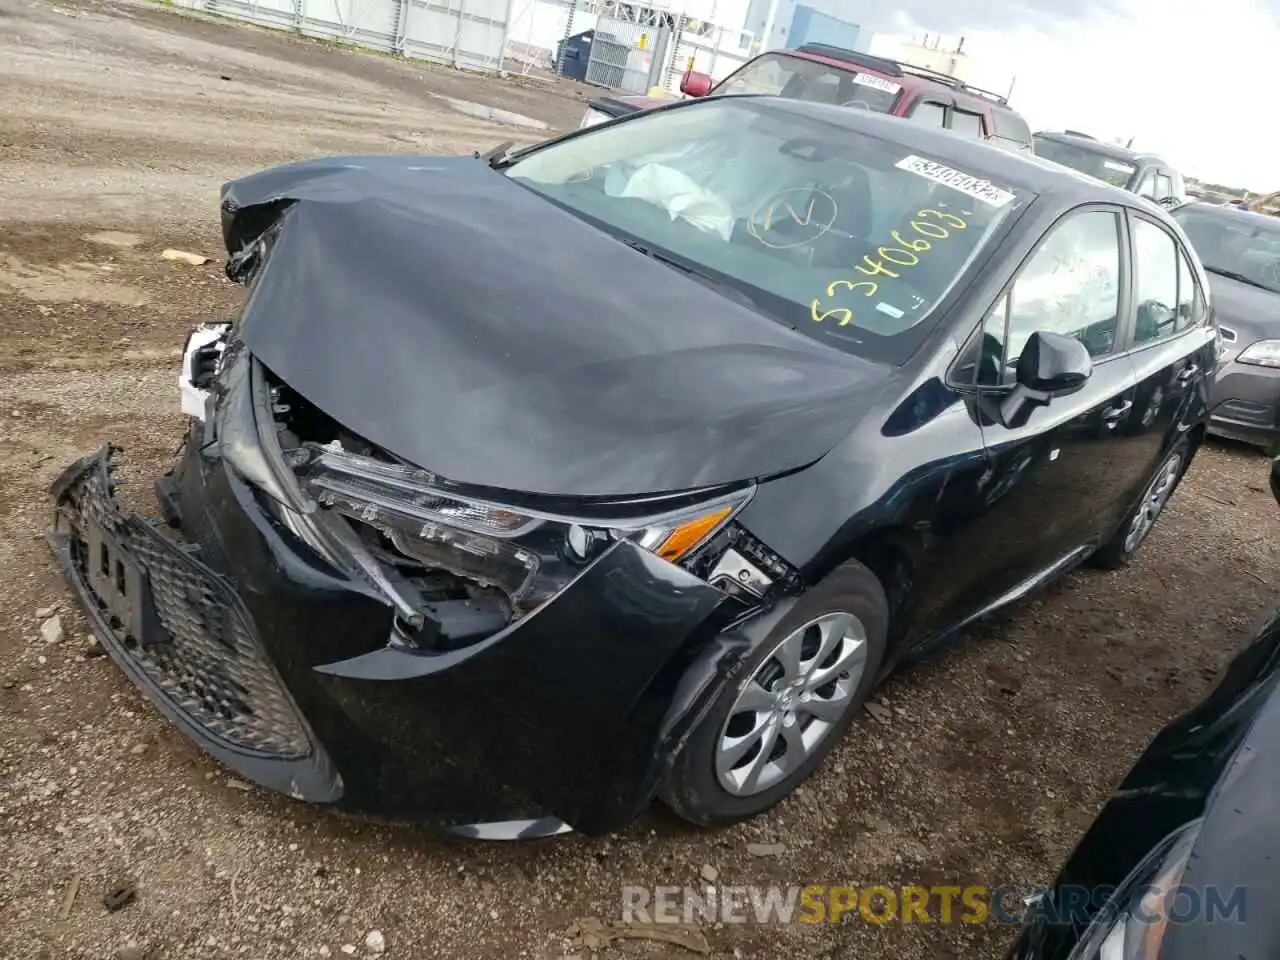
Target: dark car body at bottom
430, 323
1198, 813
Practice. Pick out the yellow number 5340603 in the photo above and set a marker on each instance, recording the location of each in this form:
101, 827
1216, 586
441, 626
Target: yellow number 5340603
842, 315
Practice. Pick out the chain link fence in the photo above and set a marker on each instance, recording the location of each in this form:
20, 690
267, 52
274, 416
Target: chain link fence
464, 33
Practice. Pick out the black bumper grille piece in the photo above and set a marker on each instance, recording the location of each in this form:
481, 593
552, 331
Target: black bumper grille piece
179, 625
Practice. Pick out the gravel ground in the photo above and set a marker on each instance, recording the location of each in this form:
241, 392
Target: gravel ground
119, 123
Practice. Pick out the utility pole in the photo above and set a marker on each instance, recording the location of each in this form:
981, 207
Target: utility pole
769, 21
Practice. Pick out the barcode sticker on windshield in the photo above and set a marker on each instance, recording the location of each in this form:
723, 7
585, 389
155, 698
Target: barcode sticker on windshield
976, 187
877, 83
1121, 167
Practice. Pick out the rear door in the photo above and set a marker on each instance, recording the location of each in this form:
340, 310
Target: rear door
1172, 347
1050, 477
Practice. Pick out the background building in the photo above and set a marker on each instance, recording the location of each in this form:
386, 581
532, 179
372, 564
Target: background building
934, 53
837, 22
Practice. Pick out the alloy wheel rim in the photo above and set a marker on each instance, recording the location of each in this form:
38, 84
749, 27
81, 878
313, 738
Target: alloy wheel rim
791, 703
1153, 501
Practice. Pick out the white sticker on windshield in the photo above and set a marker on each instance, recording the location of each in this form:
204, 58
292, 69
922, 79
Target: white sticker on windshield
976, 187
877, 83
1121, 167
891, 310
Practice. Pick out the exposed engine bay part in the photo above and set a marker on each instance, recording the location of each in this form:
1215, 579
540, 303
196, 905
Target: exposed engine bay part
201, 359
456, 565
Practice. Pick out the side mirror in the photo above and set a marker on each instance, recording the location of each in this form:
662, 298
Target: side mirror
1051, 366
694, 84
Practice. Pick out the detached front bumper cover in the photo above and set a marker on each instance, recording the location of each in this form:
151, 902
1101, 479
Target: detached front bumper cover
181, 633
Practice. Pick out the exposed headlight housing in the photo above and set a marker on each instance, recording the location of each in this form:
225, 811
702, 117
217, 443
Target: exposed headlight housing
1132, 924
527, 554
1263, 353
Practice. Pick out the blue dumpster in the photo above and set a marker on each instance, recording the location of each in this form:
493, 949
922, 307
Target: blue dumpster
574, 53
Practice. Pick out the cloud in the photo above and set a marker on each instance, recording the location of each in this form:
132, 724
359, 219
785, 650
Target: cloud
956, 17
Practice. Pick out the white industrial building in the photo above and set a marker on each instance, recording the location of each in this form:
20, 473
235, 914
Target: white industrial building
652, 40
719, 35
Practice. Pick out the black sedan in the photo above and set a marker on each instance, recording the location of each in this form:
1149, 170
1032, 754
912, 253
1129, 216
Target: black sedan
1241, 251
1184, 860
531, 486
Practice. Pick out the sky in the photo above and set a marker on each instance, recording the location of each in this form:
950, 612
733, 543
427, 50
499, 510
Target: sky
1185, 79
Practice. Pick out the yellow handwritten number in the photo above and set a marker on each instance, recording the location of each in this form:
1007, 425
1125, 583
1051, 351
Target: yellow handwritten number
935, 232
849, 285
916, 246
874, 268
885, 251
844, 314
950, 219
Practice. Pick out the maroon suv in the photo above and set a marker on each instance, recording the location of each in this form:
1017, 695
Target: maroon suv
816, 71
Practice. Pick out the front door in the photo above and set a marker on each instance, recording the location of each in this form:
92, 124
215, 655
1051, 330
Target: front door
1049, 479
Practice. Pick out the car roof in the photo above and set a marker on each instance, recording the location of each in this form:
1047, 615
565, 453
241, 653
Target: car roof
1111, 150
909, 76
1003, 167
1248, 218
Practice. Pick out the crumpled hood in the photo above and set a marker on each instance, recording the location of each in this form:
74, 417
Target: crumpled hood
473, 328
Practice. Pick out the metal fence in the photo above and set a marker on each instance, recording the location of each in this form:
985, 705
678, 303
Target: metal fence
465, 33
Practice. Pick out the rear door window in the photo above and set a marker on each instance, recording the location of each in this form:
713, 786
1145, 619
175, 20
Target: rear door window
968, 124
929, 113
1192, 308
1155, 283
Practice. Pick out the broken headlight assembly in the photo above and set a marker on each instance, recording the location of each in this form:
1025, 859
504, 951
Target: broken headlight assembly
1132, 923
457, 563
527, 554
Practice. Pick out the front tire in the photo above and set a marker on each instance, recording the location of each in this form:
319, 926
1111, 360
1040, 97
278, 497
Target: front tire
1139, 522
798, 694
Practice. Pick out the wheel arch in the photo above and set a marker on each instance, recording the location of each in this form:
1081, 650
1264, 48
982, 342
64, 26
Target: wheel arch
891, 553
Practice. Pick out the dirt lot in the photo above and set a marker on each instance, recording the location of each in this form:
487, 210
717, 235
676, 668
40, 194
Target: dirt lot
119, 122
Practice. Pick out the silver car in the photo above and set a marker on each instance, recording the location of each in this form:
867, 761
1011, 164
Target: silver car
1241, 251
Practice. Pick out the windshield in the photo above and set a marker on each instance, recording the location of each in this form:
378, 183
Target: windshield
1234, 243
1100, 167
850, 238
798, 79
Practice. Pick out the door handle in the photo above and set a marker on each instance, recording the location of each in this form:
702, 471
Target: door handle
1189, 374
1112, 414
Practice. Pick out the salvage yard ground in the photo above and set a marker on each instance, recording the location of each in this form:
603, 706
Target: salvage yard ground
118, 123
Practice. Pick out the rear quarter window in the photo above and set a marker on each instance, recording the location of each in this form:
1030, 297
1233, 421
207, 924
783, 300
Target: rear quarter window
1010, 126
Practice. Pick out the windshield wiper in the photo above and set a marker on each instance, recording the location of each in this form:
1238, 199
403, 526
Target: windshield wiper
707, 279
500, 156
1240, 277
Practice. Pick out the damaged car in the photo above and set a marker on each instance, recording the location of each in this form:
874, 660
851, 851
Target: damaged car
528, 487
